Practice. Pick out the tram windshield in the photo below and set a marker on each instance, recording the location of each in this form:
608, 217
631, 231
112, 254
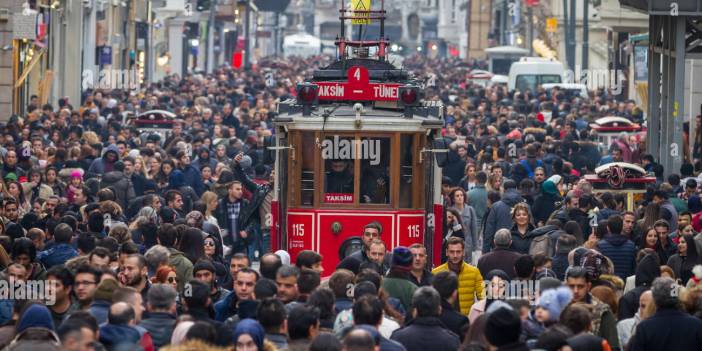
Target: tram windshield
356, 170
375, 170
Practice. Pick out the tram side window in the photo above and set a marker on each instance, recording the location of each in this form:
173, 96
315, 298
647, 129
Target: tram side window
406, 165
338, 157
375, 170
307, 185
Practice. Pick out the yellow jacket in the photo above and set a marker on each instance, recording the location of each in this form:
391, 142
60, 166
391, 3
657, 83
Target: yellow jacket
470, 285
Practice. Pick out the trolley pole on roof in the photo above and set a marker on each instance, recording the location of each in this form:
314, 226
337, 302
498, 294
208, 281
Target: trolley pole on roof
247, 35
586, 34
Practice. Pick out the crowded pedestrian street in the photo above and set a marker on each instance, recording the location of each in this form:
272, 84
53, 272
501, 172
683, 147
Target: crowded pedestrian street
361, 175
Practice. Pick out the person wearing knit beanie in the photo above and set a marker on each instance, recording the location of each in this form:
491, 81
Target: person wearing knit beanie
551, 304
402, 258
35, 316
203, 265
503, 328
105, 289
397, 283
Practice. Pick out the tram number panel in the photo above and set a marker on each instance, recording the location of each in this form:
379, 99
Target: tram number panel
300, 232
411, 229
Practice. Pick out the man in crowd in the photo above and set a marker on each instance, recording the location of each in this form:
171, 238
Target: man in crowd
470, 281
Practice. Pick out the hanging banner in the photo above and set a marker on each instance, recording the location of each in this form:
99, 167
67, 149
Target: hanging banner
24, 26
361, 5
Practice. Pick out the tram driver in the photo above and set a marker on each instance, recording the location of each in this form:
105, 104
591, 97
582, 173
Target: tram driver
339, 178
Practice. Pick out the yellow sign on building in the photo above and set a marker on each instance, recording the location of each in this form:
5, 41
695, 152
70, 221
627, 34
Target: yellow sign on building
551, 24
361, 5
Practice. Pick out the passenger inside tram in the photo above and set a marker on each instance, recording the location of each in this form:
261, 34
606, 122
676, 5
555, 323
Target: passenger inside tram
375, 187
339, 179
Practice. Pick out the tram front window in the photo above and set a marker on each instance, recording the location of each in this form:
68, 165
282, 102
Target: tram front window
337, 153
340, 177
375, 170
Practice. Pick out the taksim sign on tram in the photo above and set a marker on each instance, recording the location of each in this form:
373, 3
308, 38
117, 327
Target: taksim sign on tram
358, 88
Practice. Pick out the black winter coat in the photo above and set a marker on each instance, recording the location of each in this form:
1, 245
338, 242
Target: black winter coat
415, 336
668, 329
454, 320
647, 270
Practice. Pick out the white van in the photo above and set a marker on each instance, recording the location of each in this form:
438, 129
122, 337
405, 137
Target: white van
530, 72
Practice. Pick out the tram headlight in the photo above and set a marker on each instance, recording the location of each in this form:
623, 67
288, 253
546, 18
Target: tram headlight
409, 96
307, 94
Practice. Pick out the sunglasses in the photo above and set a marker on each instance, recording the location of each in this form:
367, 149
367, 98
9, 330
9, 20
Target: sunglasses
209, 243
172, 280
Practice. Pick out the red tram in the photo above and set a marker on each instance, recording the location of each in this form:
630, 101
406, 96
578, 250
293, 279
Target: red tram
358, 145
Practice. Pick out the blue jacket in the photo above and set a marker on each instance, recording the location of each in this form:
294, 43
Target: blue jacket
226, 307
6, 308
194, 179
112, 335
57, 254
621, 251
559, 264
500, 217
100, 309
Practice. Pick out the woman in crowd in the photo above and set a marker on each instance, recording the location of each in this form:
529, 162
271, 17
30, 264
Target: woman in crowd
469, 219
522, 229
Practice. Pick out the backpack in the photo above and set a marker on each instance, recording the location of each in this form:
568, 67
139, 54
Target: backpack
540, 245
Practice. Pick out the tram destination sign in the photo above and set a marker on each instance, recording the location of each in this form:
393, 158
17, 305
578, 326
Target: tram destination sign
358, 88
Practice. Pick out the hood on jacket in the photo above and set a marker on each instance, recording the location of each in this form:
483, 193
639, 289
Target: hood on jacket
176, 179
201, 151
647, 270
615, 239
111, 148
36, 316
547, 229
113, 334
113, 177
218, 244
512, 197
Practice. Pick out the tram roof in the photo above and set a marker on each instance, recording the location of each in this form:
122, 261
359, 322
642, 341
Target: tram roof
342, 117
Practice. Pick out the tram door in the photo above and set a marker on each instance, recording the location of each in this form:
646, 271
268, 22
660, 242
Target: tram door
340, 182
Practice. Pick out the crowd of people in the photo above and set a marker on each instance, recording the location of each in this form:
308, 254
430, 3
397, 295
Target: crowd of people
149, 242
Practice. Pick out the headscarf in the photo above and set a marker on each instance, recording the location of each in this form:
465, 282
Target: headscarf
180, 331
284, 256
253, 329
